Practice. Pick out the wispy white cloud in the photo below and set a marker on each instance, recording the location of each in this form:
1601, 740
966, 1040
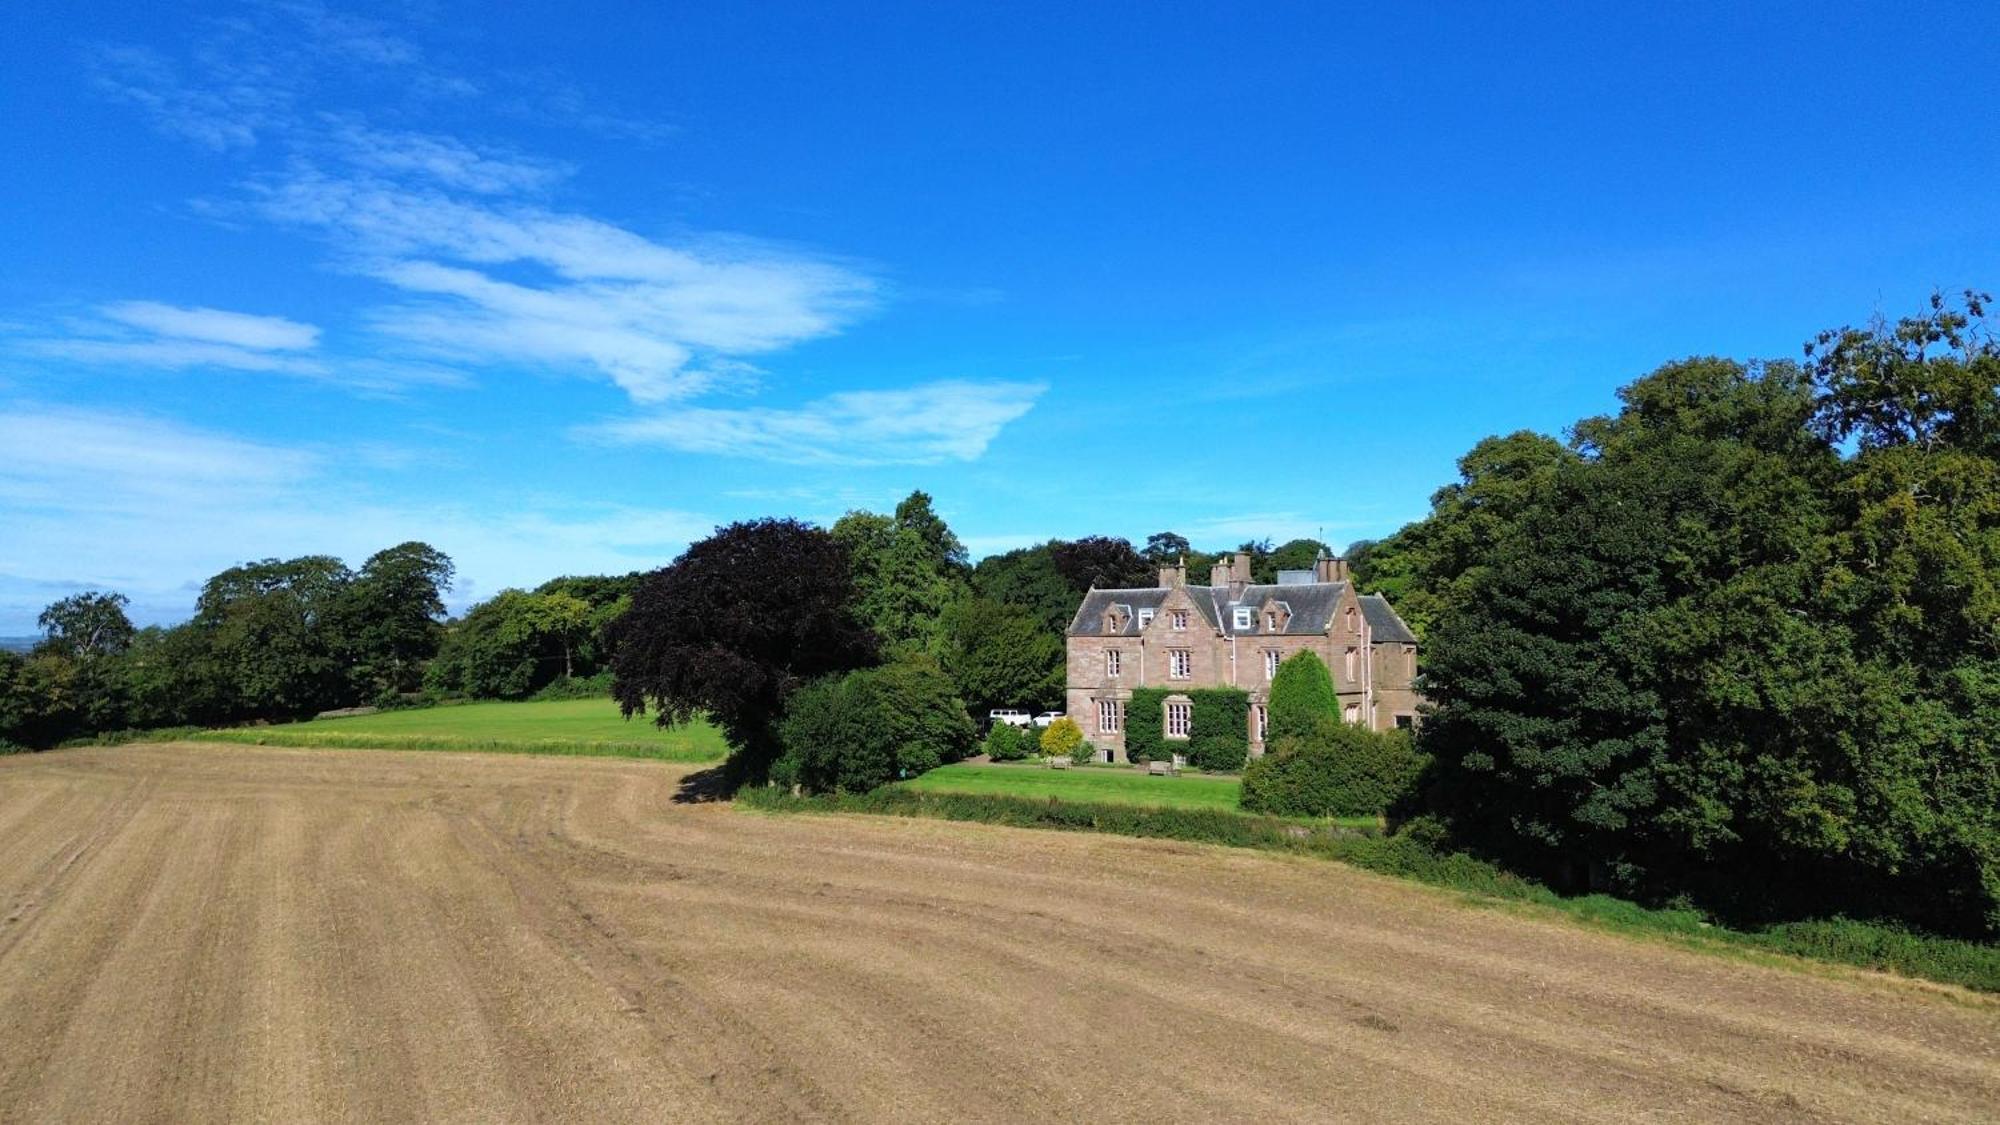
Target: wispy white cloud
78, 488
446, 161
661, 321
925, 425
151, 334
215, 326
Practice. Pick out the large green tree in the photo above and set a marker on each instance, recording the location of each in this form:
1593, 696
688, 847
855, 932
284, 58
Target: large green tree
392, 615
1706, 644
1002, 656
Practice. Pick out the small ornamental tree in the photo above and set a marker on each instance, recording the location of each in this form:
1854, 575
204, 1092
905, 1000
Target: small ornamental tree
1006, 743
1301, 694
738, 623
1062, 738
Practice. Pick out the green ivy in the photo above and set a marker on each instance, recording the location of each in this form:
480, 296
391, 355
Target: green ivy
1219, 714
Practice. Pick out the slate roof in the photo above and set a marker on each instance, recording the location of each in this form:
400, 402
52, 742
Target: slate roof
1089, 619
1383, 622
1312, 609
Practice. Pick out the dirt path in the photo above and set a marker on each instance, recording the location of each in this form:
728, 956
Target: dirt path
233, 932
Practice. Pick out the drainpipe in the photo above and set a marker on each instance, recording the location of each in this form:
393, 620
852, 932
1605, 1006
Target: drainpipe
1367, 672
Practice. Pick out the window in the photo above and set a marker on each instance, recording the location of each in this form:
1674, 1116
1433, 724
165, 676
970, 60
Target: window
1352, 627
1114, 661
1406, 722
1107, 716
1145, 618
1180, 664
1180, 620
1270, 623
1180, 719
1261, 717
1272, 658
1353, 713
1353, 656
1244, 614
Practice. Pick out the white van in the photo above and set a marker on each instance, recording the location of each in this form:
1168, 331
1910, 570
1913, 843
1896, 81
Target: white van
1008, 716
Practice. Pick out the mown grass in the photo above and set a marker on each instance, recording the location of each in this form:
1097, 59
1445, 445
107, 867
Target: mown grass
1128, 787
585, 727
1841, 941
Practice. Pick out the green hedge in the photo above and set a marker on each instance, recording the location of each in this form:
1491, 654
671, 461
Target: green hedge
1219, 714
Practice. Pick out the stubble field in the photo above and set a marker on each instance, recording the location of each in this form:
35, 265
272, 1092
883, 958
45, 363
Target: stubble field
200, 932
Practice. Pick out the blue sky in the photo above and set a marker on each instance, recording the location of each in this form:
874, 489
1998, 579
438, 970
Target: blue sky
559, 290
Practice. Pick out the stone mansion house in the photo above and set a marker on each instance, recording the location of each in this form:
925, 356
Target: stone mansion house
1232, 633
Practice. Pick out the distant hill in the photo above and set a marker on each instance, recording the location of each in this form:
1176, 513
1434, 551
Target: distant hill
18, 644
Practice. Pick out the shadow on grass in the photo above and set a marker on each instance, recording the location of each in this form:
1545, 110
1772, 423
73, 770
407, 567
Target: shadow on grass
704, 787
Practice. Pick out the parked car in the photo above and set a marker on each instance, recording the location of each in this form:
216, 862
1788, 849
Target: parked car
1009, 716
1047, 717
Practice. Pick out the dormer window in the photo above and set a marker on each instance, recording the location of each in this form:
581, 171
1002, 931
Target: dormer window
1244, 616
1145, 618
1270, 622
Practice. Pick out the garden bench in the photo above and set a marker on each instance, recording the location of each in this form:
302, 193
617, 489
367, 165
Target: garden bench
1161, 769
1058, 763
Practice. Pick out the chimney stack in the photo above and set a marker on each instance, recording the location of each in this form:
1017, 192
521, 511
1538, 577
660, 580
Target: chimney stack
1174, 575
1218, 574
1328, 569
1239, 573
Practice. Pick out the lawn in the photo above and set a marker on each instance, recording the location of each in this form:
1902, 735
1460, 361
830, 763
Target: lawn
567, 726
1103, 786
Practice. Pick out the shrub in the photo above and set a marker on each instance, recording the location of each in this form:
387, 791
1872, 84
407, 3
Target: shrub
577, 687
1062, 738
1301, 694
854, 732
1218, 752
1006, 743
1338, 769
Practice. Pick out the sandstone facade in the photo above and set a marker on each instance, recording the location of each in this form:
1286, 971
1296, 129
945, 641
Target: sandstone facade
1234, 633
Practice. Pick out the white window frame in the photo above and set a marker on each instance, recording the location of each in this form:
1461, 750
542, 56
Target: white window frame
1180, 664
1145, 618
1107, 716
1353, 658
1180, 620
1114, 662
1245, 617
1353, 714
1179, 719
1272, 658
1260, 715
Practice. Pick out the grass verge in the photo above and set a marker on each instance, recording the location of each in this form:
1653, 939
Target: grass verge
1124, 786
1869, 945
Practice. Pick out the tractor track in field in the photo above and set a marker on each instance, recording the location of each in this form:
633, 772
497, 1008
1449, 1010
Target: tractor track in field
228, 932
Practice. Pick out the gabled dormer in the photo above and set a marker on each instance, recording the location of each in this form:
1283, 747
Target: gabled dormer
1274, 616
1117, 615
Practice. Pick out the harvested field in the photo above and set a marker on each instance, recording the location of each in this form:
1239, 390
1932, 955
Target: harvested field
209, 932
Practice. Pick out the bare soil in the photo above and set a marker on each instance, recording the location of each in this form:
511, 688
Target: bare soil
227, 932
